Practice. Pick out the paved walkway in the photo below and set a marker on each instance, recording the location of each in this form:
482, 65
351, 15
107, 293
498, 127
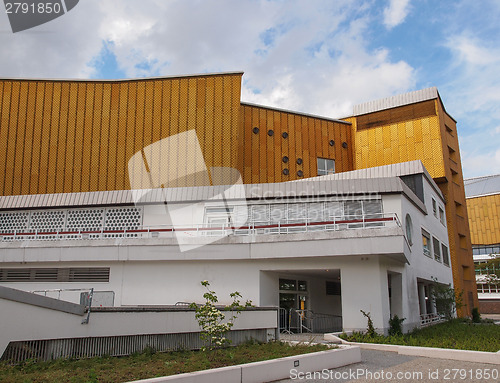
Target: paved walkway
385, 366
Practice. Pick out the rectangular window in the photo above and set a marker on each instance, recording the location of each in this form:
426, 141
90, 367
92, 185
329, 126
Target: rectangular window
437, 249
372, 210
325, 166
441, 216
434, 207
426, 243
288, 284
218, 216
302, 285
333, 288
446, 257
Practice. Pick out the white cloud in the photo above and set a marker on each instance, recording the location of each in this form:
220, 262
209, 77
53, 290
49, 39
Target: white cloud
473, 51
396, 12
312, 56
478, 164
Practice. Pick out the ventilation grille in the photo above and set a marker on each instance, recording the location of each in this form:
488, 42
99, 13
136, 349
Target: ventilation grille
17, 352
72, 274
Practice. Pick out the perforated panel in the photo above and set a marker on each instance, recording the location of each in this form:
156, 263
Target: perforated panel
121, 218
13, 221
129, 218
85, 219
48, 220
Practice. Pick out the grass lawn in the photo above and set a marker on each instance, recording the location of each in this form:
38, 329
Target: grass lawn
145, 365
458, 334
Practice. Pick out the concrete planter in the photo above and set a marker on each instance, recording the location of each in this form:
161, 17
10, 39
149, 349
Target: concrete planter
269, 370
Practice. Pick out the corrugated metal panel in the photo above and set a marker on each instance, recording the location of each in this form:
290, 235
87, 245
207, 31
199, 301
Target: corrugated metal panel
395, 101
80, 348
482, 186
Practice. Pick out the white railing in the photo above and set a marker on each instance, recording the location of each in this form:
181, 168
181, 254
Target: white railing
428, 319
304, 321
199, 230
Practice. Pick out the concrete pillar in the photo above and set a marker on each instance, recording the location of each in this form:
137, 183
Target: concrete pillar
432, 303
364, 287
421, 298
397, 295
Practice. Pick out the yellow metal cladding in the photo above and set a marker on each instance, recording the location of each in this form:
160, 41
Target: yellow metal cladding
414, 139
306, 139
484, 219
424, 131
77, 136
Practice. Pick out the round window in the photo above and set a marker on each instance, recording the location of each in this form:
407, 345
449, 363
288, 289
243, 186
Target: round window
409, 229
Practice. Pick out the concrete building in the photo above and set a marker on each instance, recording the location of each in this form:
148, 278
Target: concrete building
321, 249
483, 205
104, 156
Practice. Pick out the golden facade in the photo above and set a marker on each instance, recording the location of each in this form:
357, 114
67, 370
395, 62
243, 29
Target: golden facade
484, 219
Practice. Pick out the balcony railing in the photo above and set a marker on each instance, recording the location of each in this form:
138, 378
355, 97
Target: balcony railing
200, 230
430, 319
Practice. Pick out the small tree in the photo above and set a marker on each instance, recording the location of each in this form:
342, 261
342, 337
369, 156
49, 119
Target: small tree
446, 299
213, 322
370, 331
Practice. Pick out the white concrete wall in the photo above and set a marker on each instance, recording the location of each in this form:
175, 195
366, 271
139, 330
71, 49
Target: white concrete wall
27, 322
154, 271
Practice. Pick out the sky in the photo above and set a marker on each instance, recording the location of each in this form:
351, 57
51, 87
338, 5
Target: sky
314, 56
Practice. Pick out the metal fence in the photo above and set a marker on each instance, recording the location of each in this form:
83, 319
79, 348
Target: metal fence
300, 321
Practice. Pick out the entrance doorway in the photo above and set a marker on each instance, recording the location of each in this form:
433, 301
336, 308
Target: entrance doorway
294, 302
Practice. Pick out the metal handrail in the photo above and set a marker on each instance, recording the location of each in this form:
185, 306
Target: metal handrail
335, 224
90, 295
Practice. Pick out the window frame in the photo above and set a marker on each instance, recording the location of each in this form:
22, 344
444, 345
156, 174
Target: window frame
427, 250
324, 170
436, 249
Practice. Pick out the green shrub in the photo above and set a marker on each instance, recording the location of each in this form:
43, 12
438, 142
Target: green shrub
476, 317
395, 325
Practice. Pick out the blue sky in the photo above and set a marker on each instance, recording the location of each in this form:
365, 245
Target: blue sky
315, 56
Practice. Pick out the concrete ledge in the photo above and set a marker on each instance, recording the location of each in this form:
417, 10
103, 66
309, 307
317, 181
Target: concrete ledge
443, 353
40, 301
433, 352
269, 370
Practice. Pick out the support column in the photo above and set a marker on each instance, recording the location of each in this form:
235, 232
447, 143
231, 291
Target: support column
421, 298
431, 300
371, 296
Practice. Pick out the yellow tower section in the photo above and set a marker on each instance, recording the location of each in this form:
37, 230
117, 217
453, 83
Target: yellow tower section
484, 219
423, 131
407, 133
78, 136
